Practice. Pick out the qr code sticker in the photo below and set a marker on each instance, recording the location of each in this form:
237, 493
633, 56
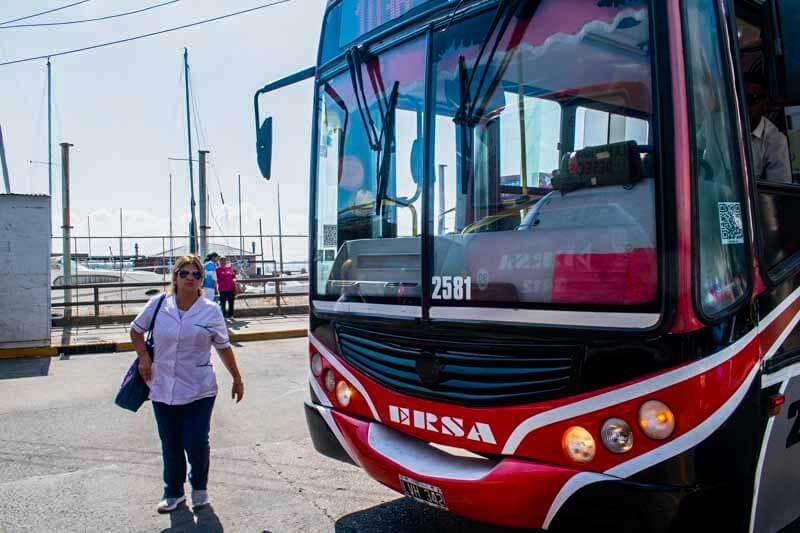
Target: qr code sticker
329, 236
730, 223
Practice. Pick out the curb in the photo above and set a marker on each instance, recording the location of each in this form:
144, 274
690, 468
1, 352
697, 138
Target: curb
114, 347
269, 335
10, 353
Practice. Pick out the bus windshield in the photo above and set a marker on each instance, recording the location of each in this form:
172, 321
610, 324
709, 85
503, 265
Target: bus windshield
543, 174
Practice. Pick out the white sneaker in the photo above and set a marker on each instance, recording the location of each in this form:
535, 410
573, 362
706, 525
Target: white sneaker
199, 498
167, 505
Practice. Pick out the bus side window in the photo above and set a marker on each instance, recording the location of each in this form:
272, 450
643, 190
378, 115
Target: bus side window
717, 168
773, 105
788, 18
768, 120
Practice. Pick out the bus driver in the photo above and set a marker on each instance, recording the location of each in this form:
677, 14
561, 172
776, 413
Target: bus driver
770, 146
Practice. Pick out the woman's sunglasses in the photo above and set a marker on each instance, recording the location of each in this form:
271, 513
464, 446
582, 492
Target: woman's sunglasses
185, 273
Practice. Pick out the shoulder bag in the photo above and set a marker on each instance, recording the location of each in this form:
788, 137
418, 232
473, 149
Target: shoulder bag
133, 391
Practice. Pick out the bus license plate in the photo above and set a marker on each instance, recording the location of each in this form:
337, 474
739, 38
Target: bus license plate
423, 492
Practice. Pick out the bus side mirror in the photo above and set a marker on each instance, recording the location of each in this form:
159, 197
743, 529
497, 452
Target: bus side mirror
264, 147
264, 129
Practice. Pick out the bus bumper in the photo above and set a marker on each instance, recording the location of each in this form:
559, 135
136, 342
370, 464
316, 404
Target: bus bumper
506, 491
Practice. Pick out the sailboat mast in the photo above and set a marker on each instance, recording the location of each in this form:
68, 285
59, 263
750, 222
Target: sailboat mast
3, 164
280, 229
171, 241
49, 132
193, 221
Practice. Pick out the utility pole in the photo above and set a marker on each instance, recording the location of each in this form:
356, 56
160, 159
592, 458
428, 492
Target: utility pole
50, 153
280, 230
202, 192
3, 164
171, 241
121, 265
120, 243
241, 237
193, 221
65, 227
49, 132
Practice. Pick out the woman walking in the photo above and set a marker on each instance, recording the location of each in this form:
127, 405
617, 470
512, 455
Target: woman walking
226, 281
183, 385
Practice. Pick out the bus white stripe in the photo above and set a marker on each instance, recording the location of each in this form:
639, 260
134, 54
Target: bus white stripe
608, 399
360, 308
549, 317
637, 464
344, 372
690, 438
667, 379
568, 489
325, 413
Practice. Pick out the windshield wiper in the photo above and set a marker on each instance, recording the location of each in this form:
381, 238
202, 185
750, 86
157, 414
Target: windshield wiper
385, 155
354, 62
502, 18
381, 141
526, 10
465, 117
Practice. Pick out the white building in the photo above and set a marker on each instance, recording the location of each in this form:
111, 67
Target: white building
25, 246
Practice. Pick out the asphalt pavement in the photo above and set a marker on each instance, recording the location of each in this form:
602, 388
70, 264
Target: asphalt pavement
72, 461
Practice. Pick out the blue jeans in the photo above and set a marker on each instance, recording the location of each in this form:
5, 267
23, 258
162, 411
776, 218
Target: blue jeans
184, 428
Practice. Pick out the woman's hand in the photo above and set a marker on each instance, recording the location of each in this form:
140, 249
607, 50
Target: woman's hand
226, 354
146, 368
237, 391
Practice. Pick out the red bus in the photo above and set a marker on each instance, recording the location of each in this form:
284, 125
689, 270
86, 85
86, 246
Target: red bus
555, 257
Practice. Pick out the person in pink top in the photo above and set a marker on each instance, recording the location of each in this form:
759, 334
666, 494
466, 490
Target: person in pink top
226, 282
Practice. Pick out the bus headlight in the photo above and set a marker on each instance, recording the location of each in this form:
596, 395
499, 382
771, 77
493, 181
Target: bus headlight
579, 444
617, 435
316, 364
656, 419
330, 380
343, 393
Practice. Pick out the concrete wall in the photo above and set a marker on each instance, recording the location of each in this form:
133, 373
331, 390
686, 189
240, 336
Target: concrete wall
24, 270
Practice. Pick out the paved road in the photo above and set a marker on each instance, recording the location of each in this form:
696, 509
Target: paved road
72, 461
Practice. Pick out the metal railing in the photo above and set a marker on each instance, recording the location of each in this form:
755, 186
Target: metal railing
279, 293
257, 254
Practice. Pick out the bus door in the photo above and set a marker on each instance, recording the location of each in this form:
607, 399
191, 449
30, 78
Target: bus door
775, 502
768, 58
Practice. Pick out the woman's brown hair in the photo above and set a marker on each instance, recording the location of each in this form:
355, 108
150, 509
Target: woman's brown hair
182, 262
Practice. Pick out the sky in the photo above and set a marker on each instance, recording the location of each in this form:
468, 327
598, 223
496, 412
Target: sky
122, 107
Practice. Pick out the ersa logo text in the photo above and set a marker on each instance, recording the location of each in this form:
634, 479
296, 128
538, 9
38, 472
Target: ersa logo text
446, 425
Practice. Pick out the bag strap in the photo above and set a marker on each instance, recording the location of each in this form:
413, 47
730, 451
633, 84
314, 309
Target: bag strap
153, 320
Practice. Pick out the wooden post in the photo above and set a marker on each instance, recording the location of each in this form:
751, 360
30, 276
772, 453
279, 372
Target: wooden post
278, 293
96, 301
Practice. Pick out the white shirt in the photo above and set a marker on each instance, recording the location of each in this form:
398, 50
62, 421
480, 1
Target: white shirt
770, 153
182, 367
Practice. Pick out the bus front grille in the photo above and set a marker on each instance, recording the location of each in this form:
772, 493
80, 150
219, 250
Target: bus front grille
468, 373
